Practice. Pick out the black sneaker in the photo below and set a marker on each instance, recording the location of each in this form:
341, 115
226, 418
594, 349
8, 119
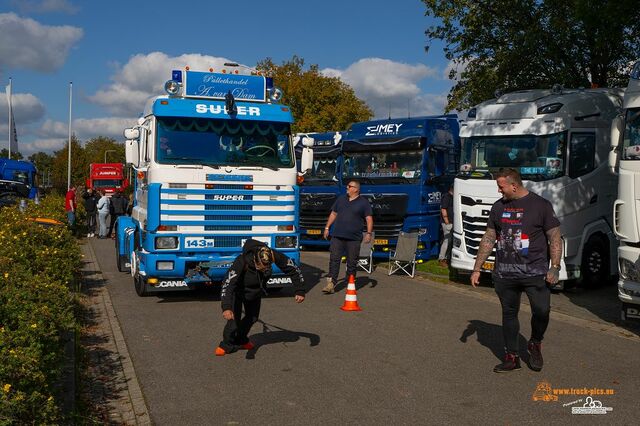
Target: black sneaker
511, 362
535, 356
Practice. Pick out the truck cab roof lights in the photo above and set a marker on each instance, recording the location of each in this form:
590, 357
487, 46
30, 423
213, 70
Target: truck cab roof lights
550, 108
172, 87
556, 89
472, 113
275, 95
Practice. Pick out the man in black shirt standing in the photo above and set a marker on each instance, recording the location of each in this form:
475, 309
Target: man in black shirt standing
446, 214
348, 216
528, 233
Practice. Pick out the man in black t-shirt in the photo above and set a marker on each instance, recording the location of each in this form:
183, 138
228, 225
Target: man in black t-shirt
446, 214
528, 234
348, 215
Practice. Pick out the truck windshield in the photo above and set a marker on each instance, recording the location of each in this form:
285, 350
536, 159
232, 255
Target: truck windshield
323, 170
537, 158
223, 142
107, 183
21, 176
631, 142
384, 166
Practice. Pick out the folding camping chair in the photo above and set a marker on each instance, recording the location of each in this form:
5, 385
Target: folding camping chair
365, 258
404, 256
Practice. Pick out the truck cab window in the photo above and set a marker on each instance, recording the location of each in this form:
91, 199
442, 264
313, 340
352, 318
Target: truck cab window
582, 154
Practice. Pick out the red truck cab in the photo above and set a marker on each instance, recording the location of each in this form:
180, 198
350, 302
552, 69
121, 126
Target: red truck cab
107, 177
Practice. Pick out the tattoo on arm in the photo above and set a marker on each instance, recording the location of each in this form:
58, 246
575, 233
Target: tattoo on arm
555, 245
486, 246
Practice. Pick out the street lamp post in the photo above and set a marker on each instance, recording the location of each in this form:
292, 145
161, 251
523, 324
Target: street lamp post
105, 153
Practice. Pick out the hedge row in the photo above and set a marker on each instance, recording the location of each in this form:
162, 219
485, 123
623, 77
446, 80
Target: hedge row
39, 268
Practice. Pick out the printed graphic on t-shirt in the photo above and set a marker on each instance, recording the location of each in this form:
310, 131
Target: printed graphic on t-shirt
512, 241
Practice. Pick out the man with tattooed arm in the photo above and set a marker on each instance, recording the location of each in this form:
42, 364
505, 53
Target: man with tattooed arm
527, 223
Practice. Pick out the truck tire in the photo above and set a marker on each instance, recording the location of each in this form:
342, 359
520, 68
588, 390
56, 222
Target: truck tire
141, 286
594, 270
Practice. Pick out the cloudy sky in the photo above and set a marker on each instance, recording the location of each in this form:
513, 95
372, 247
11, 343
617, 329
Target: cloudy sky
119, 53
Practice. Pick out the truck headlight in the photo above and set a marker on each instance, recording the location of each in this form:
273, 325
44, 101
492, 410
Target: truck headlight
629, 270
164, 243
286, 242
457, 242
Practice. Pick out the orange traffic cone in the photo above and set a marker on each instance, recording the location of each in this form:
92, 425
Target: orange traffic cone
351, 299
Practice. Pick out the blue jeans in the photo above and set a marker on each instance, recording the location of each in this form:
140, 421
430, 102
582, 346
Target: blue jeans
104, 228
71, 217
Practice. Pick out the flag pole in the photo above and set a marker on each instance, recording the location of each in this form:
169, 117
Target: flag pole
69, 161
10, 112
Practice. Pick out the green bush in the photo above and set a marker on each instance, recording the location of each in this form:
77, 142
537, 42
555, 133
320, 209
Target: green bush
39, 267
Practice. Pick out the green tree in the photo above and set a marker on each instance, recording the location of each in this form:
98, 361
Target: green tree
79, 165
4, 153
319, 103
99, 148
44, 165
523, 44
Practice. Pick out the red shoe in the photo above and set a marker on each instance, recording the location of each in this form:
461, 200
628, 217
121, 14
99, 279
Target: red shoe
248, 346
220, 351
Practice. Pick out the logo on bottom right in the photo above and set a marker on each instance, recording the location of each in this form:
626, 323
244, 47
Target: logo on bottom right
591, 406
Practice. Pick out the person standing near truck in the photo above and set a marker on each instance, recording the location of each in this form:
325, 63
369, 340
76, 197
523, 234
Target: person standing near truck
244, 285
70, 205
446, 216
103, 212
117, 208
523, 266
91, 207
349, 214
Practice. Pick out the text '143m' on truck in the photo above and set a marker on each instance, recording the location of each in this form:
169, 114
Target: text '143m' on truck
214, 166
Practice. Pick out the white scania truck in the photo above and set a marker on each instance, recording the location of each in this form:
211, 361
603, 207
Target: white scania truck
625, 159
558, 140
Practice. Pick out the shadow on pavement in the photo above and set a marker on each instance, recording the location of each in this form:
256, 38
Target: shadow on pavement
490, 336
272, 334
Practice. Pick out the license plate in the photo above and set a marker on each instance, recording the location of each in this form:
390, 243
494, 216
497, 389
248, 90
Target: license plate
487, 266
198, 242
381, 242
314, 232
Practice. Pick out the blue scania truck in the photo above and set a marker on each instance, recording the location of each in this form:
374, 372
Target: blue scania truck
403, 166
18, 178
319, 186
215, 166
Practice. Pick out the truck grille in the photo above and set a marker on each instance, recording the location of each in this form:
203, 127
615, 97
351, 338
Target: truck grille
473, 229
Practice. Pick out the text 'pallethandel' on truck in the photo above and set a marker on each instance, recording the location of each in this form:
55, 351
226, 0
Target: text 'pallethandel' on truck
214, 165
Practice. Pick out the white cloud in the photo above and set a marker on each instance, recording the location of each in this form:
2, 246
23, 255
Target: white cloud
26, 108
144, 76
45, 145
458, 66
45, 6
391, 88
27, 44
88, 128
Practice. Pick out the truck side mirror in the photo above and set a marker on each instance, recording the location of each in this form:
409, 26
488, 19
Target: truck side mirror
616, 133
132, 133
132, 152
306, 159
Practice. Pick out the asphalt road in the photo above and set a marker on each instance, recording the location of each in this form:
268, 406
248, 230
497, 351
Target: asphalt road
419, 353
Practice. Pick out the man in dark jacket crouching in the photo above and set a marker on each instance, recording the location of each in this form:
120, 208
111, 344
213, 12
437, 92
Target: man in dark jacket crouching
244, 285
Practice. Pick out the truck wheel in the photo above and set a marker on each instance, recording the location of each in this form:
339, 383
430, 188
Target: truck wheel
594, 270
141, 286
121, 259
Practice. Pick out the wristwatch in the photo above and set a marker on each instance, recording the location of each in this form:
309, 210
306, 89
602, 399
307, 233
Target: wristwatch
558, 267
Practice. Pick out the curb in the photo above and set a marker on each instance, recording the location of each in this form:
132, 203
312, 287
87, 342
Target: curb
125, 404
